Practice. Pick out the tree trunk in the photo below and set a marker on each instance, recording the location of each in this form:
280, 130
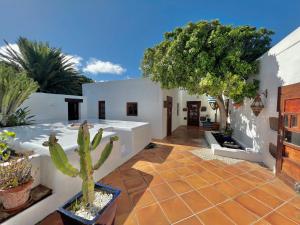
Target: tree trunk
223, 116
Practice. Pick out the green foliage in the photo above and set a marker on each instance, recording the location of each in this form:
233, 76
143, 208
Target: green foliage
15, 88
5, 138
209, 58
85, 147
54, 71
15, 173
20, 117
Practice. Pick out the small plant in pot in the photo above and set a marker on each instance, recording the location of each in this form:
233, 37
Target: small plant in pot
95, 201
15, 183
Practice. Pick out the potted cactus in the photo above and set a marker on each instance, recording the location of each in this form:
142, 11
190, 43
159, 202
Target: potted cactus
96, 203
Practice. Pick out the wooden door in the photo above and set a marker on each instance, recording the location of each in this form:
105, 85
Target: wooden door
288, 150
73, 110
169, 115
101, 110
193, 113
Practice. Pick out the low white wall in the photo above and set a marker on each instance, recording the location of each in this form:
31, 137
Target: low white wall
52, 107
117, 93
278, 67
184, 97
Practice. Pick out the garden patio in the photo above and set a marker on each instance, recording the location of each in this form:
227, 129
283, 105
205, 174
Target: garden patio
170, 185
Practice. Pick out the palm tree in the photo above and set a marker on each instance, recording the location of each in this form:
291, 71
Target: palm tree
48, 66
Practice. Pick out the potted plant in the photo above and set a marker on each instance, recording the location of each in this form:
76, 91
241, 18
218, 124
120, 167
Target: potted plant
96, 203
15, 183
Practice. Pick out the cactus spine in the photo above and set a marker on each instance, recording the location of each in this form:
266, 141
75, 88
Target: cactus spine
61, 162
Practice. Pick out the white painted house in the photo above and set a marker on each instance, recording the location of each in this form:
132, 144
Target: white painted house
112, 100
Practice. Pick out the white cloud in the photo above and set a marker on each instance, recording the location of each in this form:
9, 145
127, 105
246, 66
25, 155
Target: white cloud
95, 66
76, 60
3, 49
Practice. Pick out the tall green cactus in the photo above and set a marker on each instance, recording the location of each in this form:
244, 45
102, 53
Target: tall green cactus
61, 162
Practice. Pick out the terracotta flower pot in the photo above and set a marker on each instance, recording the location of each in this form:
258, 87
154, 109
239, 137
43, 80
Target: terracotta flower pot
15, 198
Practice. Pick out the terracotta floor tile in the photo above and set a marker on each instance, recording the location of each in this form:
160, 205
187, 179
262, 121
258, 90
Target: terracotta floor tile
129, 174
271, 189
261, 222
277, 219
218, 163
213, 195
124, 204
227, 189
196, 168
190, 221
146, 169
208, 166
282, 186
263, 174
296, 202
175, 209
266, 198
233, 170
180, 186
246, 166
183, 171
195, 181
162, 191
125, 219
222, 173
141, 198
291, 212
213, 217
237, 213
240, 184
153, 180
135, 184
151, 215
253, 205
209, 177
253, 180
169, 175
195, 201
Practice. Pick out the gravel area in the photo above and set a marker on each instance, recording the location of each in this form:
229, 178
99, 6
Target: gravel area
206, 154
101, 200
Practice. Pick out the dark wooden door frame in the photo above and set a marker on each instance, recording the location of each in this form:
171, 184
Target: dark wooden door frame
188, 112
284, 93
169, 105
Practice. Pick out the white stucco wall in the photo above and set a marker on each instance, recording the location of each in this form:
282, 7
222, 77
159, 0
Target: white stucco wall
278, 67
116, 94
184, 97
52, 107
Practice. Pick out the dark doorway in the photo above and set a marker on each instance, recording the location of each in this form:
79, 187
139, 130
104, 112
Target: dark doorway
73, 108
101, 110
169, 115
288, 144
73, 111
193, 113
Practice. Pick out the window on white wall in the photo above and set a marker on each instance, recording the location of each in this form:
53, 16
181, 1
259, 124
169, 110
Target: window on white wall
132, 108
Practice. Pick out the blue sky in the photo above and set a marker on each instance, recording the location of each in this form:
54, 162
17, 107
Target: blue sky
108, 37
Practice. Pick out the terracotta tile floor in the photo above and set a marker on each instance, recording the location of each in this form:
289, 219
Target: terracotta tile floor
170, 185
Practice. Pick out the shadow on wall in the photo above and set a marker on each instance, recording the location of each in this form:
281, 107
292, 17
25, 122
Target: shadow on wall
252, 131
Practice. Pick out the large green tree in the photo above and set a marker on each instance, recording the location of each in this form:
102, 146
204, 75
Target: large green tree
54, 71
210, 58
